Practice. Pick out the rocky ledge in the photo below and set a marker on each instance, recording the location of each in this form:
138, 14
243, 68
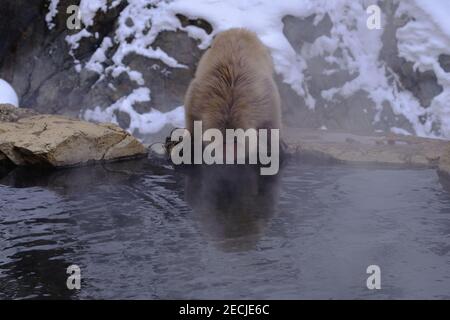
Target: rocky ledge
61, 142
320, 146
340, 147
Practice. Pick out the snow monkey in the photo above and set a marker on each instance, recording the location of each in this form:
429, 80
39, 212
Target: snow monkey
234, 87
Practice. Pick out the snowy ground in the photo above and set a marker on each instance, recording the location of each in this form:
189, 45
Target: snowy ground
422, 40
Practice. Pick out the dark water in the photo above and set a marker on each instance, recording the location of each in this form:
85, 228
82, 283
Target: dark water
142, 231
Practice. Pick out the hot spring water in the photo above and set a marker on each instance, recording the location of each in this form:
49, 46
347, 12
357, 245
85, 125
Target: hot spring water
139, 230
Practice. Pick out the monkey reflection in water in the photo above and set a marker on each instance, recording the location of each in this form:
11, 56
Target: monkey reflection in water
232, 204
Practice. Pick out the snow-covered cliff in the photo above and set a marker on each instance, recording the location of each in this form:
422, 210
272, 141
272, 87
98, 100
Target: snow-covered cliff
397, 76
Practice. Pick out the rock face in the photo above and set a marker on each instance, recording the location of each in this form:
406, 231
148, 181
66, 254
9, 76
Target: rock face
5, 165
3, 158
444, 60
423, 85
356, 112
36, 61
59, 141
9, 113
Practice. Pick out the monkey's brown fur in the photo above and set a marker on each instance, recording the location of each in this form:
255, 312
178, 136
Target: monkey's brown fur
234, 87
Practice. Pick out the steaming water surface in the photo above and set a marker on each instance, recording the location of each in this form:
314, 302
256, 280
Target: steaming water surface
139, 230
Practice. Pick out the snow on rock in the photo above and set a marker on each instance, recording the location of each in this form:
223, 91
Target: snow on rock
351, 46
422, 40
52, 12
147, 123
7, 94
89, 8
400, 131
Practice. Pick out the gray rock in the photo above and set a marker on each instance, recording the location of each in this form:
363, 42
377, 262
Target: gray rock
168, 85
444, 61
353, 113
5, 165
341, 147
423, 85
299, 30
357, 112
3, 159
9, 113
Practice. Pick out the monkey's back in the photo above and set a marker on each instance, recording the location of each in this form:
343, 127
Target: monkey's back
234, 85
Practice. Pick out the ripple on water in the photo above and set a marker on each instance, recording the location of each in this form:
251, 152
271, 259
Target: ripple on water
139, 231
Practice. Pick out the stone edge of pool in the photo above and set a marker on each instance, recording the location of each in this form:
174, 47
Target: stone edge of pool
29, 139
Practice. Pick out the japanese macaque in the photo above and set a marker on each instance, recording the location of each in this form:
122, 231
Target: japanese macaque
234, 86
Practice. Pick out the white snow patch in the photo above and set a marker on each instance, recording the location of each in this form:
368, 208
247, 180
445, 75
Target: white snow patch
400, 131
98, 58
147, 123
7, 94
52, 12
89, 8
